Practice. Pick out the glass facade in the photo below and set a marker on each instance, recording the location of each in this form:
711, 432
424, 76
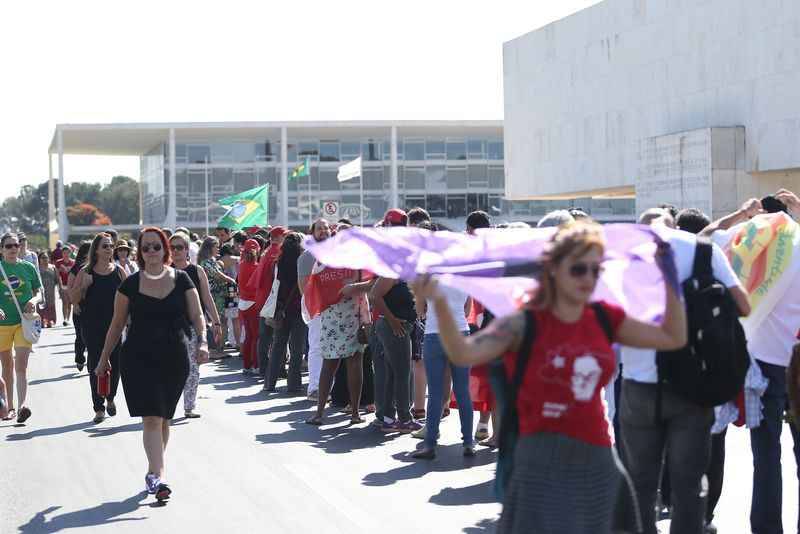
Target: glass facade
448, 176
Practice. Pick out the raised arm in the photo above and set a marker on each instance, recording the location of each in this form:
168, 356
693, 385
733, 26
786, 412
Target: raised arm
500, 336
749, 209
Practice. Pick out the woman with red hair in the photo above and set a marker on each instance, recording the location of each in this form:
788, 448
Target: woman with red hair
162, 303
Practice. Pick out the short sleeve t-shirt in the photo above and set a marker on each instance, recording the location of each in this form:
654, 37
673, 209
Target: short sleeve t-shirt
569, 365
24, 280
305, 264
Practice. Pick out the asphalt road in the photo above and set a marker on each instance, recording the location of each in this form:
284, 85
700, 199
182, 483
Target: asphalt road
250, 464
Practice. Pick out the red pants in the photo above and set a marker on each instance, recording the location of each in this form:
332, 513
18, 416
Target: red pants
250, 347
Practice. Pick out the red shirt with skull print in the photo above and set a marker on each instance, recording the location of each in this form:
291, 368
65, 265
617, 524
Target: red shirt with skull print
569, 365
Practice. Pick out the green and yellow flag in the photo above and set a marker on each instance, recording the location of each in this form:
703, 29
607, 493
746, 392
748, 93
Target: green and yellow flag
246, 209
301, 171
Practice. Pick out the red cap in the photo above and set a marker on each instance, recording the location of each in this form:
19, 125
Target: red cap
278, 231
251, 244
395, 217
252, 230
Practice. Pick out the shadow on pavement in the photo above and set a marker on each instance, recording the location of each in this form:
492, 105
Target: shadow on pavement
241, 399
484, 526
71, 343
477, 494
448, 458
100, 431
49, 431
296, 405
63, 352
70, 376
102, 514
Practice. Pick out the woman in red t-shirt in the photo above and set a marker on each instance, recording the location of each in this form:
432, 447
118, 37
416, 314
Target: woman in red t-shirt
566, 475
249, 306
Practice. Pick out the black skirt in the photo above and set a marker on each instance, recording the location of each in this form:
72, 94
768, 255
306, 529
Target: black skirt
154, 369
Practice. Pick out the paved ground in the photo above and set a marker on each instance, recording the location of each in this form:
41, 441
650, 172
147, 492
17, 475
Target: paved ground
252, 465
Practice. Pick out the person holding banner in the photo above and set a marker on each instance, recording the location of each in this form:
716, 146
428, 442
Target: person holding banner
565, 475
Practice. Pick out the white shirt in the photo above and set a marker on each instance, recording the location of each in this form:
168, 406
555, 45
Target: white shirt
455, 301
193, 250
640, 364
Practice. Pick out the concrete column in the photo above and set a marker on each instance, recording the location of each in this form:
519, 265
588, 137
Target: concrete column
63, 222
172, 202
394, 197
284, 218
52, 225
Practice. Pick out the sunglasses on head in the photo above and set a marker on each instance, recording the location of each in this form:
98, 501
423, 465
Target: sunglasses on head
579, 270
11, 245
154, 247
178, 248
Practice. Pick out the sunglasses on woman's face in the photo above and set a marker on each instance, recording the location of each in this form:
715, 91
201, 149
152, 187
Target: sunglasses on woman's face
177, 248
11, 245
579, 270
156, 247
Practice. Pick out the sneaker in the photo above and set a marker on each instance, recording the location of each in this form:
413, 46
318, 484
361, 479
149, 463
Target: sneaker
24, 414
151, 482
163, 492
482, 434
424, 454
111, 408
419, 434
99, 417
189, 414
409, 427
469, 451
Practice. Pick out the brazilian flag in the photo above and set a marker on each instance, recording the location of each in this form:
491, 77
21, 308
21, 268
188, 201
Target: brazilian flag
246, 209
301, 171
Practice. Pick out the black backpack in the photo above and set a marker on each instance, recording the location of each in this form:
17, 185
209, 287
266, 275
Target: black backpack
710, 370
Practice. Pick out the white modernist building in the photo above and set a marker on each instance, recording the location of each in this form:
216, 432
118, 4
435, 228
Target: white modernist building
689, 102
449, 168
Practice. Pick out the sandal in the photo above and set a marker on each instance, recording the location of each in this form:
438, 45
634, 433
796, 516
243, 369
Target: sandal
12, 413
315, 420
356, 420
418, 413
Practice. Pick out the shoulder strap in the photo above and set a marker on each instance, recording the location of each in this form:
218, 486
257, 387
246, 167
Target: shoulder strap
11, 289
524, 354
604, 321
702, 258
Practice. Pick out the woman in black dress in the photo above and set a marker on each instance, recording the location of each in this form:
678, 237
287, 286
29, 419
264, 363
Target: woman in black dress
162, 303
97, 284
73, 294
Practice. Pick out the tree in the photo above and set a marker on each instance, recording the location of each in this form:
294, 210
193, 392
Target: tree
85, 214
120, 200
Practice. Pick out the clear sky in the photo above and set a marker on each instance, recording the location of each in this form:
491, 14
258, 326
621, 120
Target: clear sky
156, 61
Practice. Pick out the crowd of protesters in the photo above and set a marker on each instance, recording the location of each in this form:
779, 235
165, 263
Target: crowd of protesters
408, 352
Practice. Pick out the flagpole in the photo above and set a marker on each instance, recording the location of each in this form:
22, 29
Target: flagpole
310, 215
361, 180
207, 203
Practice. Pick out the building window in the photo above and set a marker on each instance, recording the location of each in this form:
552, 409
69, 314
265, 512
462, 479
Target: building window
373, 178
435, 179
371, 150
414, 177
329, 151
437, 206
496, 177
456, 206
309, 149
456, 149
350, 150
265, 151
222, 152
496, 150
476, 149
328, 180
476, 176
415, 150
456, 177
415, 201
244, 152
243, 179
199, 153
291, 152
477, 201
434, 149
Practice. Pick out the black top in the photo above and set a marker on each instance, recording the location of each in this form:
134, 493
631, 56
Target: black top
158, 318
400, 302
288, 293
191, 270
76, 268
98, 303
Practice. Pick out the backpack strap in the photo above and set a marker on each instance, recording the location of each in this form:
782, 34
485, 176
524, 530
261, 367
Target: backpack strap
605, 322
702, 258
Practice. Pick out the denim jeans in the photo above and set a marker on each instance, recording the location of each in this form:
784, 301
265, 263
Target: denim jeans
397, 358
379, 366
292, 333
684, 430
765, 442
435, 364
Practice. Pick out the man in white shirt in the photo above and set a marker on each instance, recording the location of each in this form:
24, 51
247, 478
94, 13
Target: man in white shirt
685, 426
771, 346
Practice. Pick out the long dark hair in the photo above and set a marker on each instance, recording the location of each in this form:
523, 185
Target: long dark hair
291, 250
83, 253
92, 255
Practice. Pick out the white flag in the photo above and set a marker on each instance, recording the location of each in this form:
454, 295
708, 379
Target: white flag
350, 170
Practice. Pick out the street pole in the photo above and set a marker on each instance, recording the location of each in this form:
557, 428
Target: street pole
207, 203
361, 207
